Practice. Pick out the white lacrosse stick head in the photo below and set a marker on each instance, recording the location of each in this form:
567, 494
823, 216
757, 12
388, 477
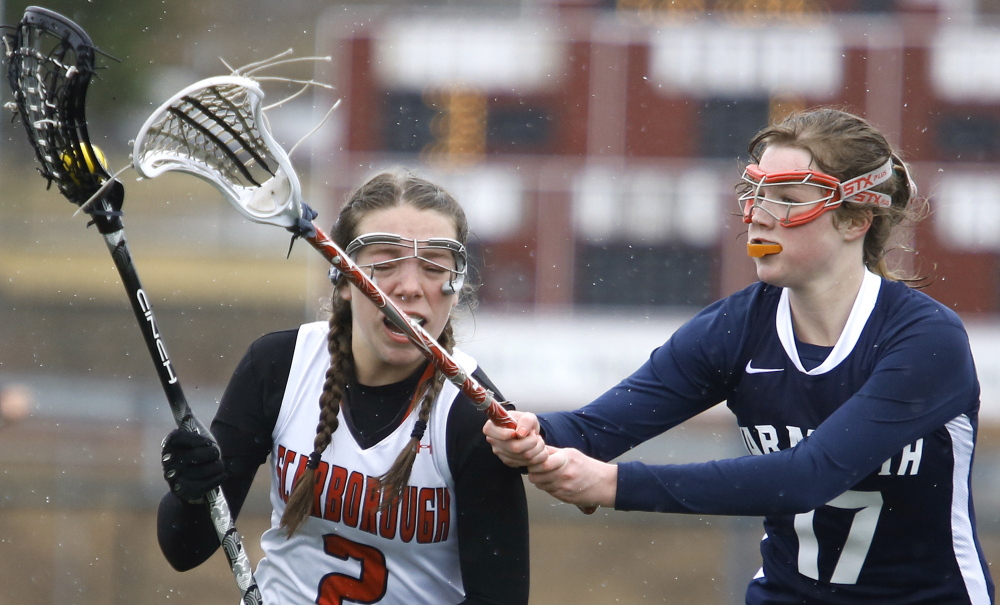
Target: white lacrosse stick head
216, 130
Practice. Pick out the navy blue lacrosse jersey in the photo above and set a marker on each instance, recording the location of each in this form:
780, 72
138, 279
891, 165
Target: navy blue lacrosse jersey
861, 452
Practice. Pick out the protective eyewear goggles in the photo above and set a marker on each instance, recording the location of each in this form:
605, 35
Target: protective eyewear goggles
858, 190
423, 250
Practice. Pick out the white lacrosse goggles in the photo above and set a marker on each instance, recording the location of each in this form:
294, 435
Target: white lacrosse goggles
442, 259
774, 190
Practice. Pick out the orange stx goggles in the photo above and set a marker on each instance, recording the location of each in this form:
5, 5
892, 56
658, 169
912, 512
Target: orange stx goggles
774, 194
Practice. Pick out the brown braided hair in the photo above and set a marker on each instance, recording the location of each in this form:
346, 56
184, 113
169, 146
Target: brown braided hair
844, 145
384, 190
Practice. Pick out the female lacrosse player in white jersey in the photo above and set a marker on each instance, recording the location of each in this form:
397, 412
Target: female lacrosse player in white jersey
856, 395
395, 497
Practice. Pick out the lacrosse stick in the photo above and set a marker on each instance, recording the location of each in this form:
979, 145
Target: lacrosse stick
216, 129
50, 61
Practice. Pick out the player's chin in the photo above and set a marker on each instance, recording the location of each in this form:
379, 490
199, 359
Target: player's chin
769, 273
402, 354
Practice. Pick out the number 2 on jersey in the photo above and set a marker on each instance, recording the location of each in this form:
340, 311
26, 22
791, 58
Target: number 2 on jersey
368, 587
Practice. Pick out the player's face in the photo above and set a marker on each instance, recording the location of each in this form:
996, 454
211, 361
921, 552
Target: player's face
383, 354
808, 249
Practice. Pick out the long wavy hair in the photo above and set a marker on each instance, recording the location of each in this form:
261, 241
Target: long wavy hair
384, 190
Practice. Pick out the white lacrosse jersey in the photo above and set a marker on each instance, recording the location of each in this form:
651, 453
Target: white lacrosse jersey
351, 551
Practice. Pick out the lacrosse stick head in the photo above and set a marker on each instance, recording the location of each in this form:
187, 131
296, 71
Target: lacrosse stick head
50, 61
216, 130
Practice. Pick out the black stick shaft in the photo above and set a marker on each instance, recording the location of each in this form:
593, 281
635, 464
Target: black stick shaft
222, 519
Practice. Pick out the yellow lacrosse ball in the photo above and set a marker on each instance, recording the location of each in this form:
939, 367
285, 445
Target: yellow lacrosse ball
67, 159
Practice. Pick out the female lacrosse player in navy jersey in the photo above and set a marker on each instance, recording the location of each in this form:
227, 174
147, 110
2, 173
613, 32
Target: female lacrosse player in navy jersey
395, 497
856, 395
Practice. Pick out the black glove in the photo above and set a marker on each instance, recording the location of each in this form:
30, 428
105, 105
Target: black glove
192, 465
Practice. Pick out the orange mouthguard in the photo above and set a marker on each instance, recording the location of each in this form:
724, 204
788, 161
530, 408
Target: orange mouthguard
759, 250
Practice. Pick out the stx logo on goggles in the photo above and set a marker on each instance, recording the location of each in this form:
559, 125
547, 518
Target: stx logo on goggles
871, 197
865, 182
764, 191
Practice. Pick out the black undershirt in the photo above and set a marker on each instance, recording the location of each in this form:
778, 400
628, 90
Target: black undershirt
811, 355
373, 413
492, 510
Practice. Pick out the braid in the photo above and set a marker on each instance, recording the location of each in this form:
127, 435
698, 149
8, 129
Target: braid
394, 480
300, 502
383, 191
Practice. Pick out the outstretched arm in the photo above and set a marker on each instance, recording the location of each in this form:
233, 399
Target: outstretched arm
919, 385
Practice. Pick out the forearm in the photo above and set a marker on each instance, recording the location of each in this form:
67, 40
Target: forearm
492, 519
493, 546
790, 481
185, 532
639, 408
746, 486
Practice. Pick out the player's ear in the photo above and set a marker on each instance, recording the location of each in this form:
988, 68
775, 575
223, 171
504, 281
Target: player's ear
855, 225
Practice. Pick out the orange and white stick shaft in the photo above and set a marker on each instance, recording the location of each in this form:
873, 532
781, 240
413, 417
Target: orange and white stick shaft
481, 398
